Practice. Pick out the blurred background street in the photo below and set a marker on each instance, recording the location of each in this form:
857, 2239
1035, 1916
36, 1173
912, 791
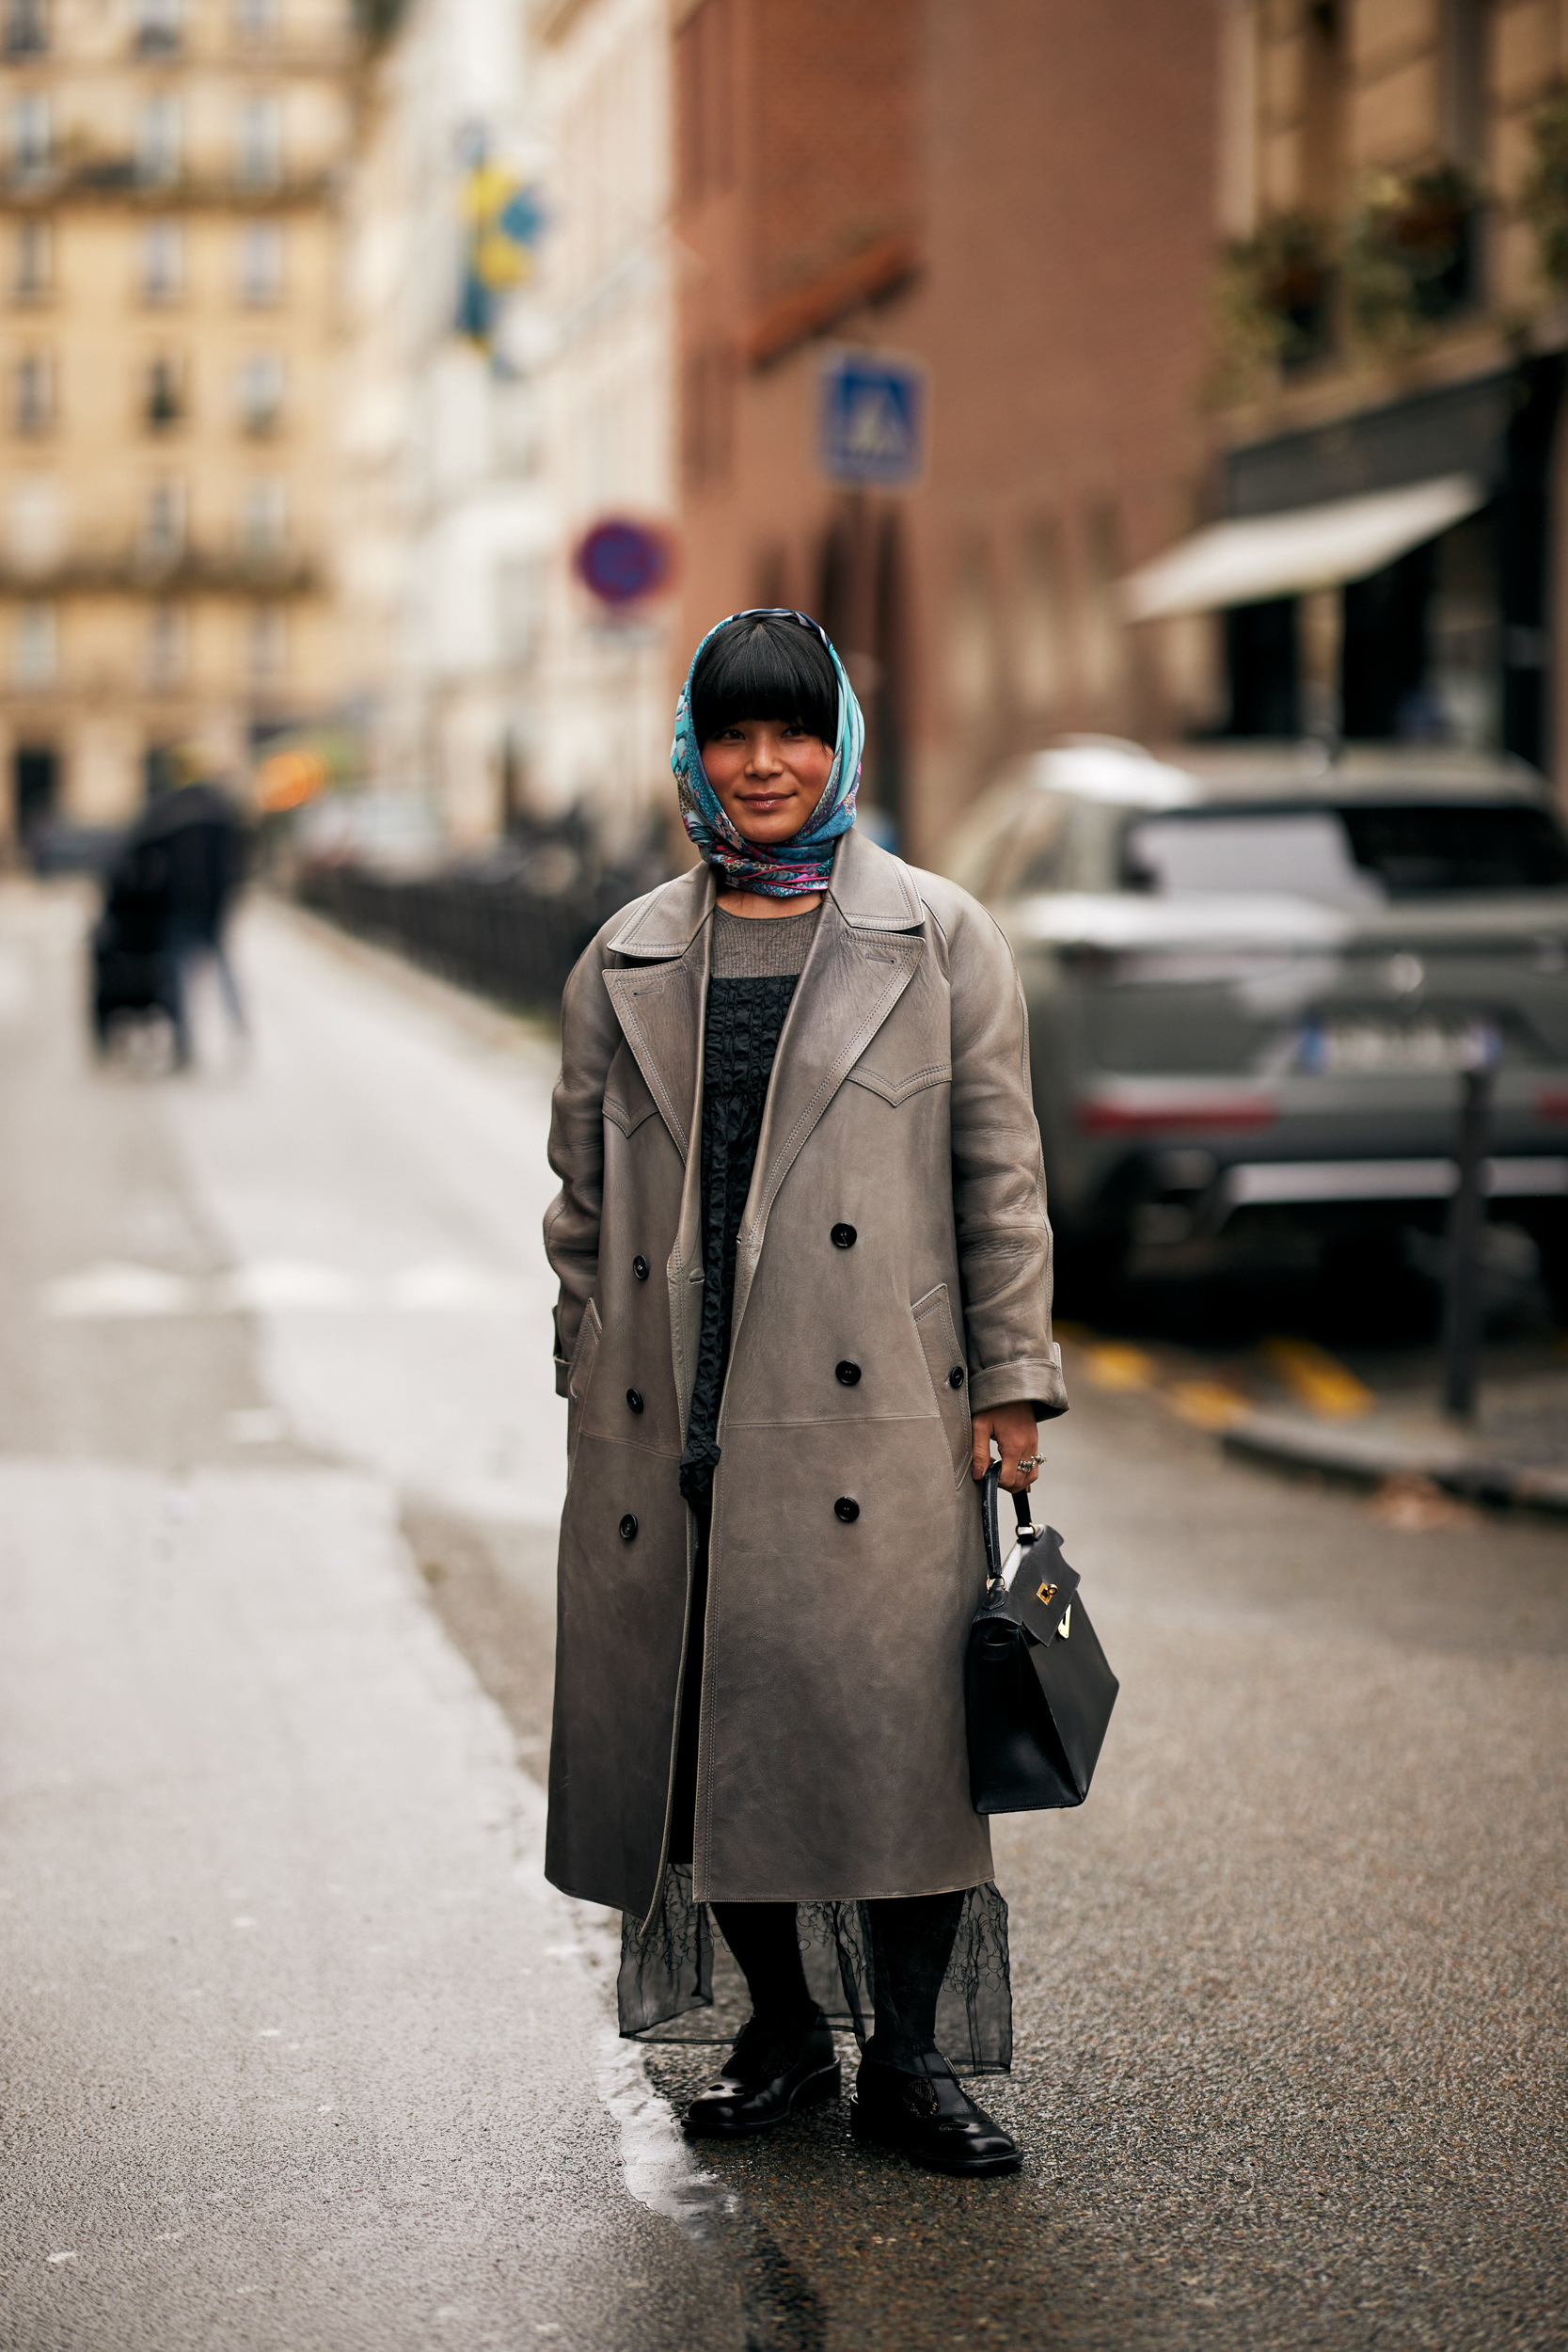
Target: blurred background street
281, 1461
1162, 406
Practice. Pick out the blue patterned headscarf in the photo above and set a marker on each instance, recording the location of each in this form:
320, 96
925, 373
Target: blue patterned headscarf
785, 870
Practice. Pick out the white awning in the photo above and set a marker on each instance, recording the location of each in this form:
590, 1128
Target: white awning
1306, 546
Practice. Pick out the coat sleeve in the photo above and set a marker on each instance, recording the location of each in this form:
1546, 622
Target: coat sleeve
999, 1208
590, 1034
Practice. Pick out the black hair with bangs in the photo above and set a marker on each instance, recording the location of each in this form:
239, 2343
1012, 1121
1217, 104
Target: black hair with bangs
763, 665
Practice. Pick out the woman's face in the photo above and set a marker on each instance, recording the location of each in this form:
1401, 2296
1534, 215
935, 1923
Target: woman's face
769, 775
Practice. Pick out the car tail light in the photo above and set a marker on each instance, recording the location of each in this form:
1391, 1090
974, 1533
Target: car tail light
1113, 1115
1552, 1104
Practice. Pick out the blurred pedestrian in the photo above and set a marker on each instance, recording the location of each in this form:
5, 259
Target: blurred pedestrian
805, 1280
196, 830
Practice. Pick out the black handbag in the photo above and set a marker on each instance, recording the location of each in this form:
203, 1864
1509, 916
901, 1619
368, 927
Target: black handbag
1038, 1692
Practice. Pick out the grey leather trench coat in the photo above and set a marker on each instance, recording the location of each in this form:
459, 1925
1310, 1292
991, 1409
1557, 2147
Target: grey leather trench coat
896, 1220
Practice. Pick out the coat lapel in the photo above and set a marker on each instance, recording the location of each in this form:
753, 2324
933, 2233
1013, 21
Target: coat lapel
868, 941
660, 1004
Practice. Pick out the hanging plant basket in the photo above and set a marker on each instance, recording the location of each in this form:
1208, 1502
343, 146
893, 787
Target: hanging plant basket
1410, 253
1544, 199
1275, 300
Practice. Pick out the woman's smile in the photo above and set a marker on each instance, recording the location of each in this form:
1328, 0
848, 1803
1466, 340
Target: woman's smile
769, 775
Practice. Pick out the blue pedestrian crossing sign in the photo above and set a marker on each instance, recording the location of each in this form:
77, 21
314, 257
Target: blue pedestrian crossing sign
873, 422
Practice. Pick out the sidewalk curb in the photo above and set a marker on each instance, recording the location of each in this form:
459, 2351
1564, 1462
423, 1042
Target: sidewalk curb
1367, 1458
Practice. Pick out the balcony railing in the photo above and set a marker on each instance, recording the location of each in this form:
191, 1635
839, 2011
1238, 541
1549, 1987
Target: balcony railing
144, 567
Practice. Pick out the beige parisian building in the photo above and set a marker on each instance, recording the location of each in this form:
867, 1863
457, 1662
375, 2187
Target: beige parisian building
168, 299
607, 676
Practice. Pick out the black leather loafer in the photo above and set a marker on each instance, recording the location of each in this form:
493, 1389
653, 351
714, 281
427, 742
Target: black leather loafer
929, 2118
769, 2073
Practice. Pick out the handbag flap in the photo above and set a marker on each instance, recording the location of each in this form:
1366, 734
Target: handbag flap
1042, 1589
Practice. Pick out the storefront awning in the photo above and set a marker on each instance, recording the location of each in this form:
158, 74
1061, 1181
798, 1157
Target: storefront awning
1307, 546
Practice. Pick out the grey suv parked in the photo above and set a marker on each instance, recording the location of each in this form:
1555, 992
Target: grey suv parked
1253, 975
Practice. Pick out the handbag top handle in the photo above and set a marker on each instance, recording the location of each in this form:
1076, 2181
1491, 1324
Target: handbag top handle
1027, 1532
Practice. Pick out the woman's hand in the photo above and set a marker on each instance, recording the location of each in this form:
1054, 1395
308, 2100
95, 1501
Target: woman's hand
1013, 1427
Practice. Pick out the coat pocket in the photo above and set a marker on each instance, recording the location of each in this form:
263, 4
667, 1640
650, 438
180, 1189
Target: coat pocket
945, 1361
579, 1374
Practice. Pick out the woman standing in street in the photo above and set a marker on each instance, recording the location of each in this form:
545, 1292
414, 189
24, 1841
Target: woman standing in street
805, 1280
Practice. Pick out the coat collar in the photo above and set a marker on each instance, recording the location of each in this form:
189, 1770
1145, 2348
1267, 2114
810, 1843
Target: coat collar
871, 889
857, 970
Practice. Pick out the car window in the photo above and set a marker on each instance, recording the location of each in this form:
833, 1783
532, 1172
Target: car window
1414, 851
1348, 856
1305, 853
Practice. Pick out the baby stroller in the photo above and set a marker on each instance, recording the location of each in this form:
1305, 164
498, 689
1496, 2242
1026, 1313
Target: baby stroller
132, 970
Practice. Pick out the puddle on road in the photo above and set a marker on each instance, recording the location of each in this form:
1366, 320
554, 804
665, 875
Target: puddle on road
660, 2171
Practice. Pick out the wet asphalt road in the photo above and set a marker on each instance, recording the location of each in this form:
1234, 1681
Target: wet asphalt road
274, 1565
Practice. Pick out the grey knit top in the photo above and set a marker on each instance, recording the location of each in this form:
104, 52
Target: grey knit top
752, 947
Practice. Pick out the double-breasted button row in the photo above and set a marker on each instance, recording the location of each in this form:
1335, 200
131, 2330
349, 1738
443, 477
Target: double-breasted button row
956, 1378
634, 1398
846, 1509
842, 1237
640, 1267
846, 1375
629, 1527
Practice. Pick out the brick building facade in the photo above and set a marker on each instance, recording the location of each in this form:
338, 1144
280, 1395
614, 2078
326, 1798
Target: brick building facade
1020, 196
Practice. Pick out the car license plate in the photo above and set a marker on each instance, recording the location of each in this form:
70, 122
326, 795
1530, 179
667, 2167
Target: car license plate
1369, 1048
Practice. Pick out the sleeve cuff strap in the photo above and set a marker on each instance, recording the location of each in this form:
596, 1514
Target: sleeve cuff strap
1032, 1380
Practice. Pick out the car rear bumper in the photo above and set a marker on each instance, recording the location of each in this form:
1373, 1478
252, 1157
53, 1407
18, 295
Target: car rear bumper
1292, 1183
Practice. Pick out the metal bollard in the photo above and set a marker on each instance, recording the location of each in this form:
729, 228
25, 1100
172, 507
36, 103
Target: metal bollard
1467, 1234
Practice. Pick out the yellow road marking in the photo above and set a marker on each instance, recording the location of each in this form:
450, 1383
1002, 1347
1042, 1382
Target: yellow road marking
1114, 1366
1319, 1380
1207, 1404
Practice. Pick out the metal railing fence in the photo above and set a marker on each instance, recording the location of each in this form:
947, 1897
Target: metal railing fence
498, 936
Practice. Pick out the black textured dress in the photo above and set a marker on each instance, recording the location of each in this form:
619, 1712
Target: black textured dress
667, 1968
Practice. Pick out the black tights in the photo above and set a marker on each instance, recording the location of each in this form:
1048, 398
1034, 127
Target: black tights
911, 1943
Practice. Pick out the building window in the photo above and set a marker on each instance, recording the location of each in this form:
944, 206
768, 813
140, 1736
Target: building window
263, 520
256, 20
32, 134
260, 142
36, 522
26, 24
1463, 83
35, 645
158, 139
162, 402
1038, 622
262, 393
519, 606
165, 644
1322, 130
261, 264
162, 253
704, 52
158, 27
164, 522
267, 645
33, 392
707, 416
33, 261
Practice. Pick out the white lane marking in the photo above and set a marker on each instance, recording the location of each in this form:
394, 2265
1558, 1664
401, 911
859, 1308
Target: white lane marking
116, 1289
113, 1289
16, 985
660, 2168
60, 2258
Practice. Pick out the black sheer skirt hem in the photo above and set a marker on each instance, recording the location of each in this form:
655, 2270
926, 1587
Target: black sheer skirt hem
669, 1974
